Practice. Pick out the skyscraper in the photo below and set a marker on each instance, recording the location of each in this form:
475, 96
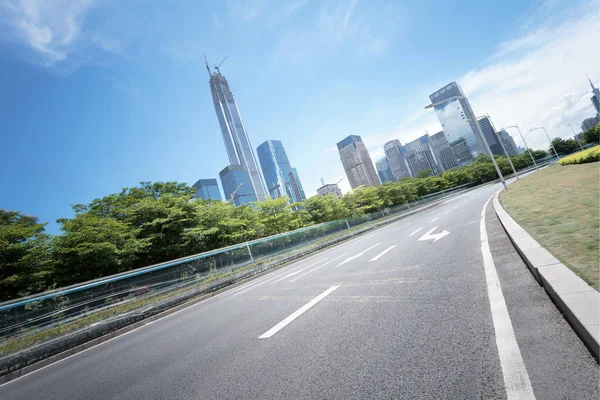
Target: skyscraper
443, 152
383, 170
357, 162
508, 142
458, 122
207, 189
395, 154
235, 137
595, 97
490, 135
236, 185
420, 157
329, 188
280, 177
589, 123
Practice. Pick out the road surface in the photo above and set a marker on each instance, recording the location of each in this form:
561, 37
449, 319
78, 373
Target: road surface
407, 311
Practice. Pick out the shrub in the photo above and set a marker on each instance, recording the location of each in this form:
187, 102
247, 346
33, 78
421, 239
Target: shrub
589, 155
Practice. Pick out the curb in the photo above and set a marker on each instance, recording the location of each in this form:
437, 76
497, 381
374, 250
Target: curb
579, 302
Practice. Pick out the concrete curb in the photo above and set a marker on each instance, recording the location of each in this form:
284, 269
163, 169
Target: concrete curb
579, 302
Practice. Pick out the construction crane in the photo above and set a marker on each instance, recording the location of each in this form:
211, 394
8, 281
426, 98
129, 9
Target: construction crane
207, 67
221, 63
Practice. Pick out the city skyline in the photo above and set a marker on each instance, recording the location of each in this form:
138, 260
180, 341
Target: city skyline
138, 98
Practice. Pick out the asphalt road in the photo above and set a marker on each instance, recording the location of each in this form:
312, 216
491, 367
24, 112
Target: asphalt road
393, 313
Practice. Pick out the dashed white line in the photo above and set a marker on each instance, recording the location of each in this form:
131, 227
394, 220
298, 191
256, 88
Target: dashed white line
447, 212
316, 268
357, 255
415, 232
403, 226
435, 219
378, 256
297, 313
300, 270
516, 378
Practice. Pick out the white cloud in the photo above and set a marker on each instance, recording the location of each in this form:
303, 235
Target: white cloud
52, 29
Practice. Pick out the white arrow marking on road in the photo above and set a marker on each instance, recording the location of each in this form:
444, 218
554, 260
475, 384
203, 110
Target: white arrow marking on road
415, 231
357, 255
435, 236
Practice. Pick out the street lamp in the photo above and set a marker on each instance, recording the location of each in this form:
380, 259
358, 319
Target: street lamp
481, 137
234, 192
525, 143
548, 137
502, 145
574, 135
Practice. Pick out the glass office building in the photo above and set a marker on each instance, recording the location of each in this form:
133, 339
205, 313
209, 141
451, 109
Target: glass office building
236, 185
443, 152
509, 143
235, 137
357, 162
395, 154
458, 122
490, 135
384, 171
281, 179
207, 189
595, 99
420, 157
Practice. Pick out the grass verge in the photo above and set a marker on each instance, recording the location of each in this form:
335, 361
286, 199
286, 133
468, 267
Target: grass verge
560, 208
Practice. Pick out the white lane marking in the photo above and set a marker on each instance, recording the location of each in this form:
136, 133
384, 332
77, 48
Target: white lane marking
454, 208
378, 256
403, 226
300, 270
415, 232
435, 236
435, 219
516, 378
447, 212
316, 268
357, 255
297, 313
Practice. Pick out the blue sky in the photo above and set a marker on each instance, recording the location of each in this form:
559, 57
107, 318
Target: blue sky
100, 95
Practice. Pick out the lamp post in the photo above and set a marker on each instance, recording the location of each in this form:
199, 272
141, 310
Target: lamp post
574, 135
234, 192
502, 145
525, 143
548, 137
481, 137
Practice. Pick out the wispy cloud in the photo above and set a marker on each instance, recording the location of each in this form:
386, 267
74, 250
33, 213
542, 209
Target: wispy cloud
51, 29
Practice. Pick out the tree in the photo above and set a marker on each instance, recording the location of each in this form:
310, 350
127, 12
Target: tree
539, 154
592, 135
563, 146
425, 173
276, 215
25, 256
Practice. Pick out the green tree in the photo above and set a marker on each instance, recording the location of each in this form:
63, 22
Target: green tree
563, 146
539, 154
425, 173
276, 215
25, 256
592, 135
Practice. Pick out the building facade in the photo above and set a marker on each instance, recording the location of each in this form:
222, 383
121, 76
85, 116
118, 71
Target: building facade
490, 135
420, 156
207, 189
237, 186
396, 156
330, 188
357, 162
384, 171
443, 152
281, 179
509, 143
237, 144
589, 123
458, 123
595, 99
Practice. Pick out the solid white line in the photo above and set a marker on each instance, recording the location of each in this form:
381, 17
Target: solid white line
516, 378
297, 313
314, 269
435, 219
403, 226
415, 231
300, 270
378, 256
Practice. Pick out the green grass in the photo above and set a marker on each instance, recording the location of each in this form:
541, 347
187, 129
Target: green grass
560, 208
582, 157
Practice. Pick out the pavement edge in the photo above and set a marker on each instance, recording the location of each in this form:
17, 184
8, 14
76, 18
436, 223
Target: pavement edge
578, 302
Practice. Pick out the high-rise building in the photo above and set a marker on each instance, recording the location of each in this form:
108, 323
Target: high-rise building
357, 162
237, 186
384, 171
207, 189
509, 143
420, 156
490, 135
443, 152
329, 188
595, 99
280, 177
458, 122
235, 137
589, 123
396, 155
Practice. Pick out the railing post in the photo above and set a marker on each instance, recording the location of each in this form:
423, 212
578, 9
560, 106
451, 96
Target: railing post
249, 252
347, 224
